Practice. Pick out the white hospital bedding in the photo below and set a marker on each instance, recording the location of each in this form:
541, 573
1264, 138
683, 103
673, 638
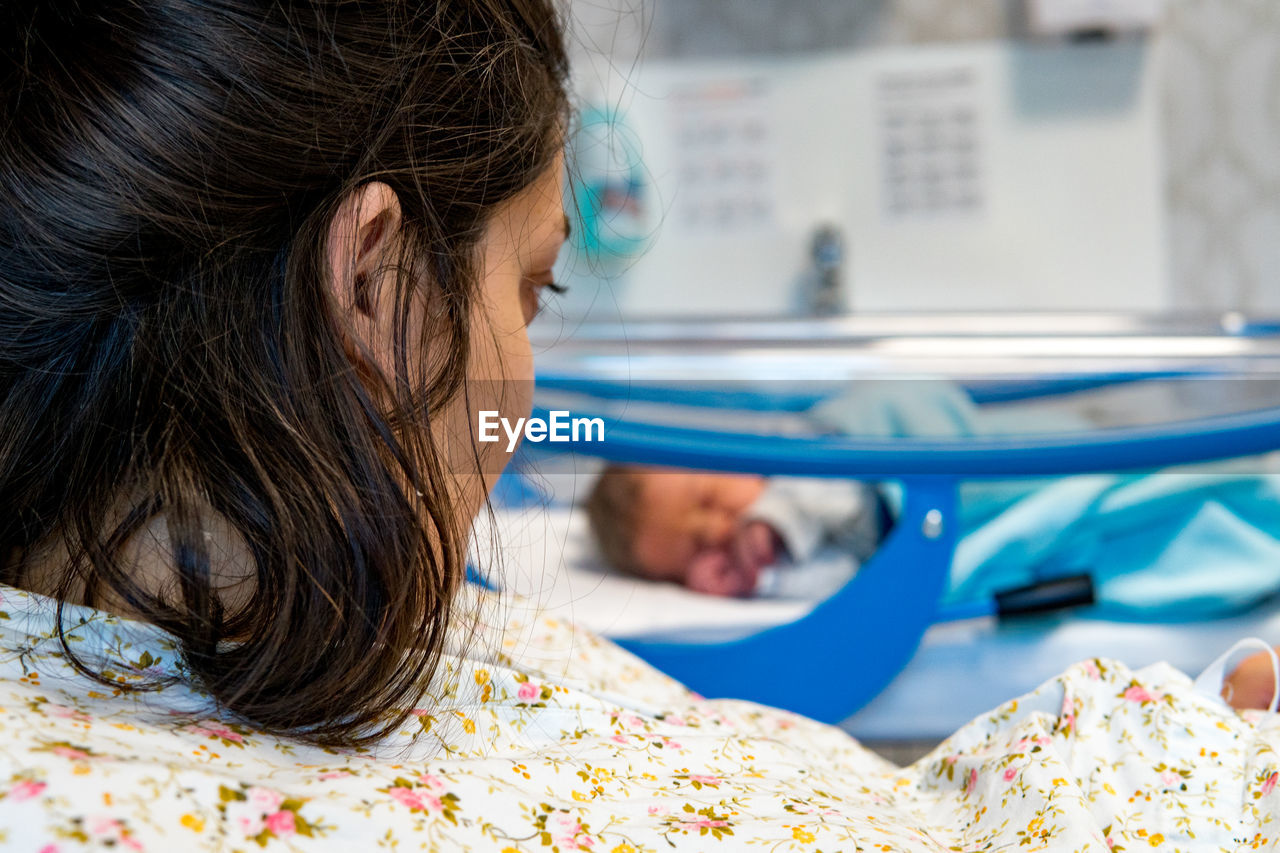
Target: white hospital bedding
960, 670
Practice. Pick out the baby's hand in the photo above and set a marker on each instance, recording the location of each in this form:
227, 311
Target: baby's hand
734, 568
1250, 685
755, 545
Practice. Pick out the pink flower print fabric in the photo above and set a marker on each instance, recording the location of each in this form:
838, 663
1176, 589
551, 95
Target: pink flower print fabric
536, 736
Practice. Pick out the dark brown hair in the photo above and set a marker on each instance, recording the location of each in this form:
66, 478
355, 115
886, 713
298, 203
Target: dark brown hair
168, 343
613, 512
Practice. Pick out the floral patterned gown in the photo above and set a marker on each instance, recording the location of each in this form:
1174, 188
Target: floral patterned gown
540, 737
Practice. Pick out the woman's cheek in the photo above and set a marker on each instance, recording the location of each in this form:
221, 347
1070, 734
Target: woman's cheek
500, 380
505, 359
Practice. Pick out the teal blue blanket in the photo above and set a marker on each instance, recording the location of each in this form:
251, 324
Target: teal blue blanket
1178, 544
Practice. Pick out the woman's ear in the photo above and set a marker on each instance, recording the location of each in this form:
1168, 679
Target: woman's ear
363, 249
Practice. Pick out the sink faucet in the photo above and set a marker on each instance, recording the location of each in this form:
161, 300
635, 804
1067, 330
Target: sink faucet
827, 251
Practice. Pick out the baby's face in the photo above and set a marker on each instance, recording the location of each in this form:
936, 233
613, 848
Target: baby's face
686, 521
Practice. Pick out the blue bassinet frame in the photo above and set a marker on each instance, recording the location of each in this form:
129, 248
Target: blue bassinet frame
875, 622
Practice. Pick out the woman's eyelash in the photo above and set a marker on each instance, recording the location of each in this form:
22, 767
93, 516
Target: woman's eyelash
557, 289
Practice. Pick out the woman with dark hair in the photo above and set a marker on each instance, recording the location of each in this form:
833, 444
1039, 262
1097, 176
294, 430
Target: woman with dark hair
260, 265
244, 246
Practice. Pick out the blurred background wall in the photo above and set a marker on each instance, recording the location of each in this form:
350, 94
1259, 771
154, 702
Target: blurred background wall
1220, 103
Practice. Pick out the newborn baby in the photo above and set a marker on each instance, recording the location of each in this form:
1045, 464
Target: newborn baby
716, 533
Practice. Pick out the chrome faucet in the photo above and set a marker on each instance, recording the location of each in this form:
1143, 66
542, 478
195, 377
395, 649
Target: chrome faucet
825, 293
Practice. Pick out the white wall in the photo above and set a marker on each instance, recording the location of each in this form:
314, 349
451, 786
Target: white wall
1218, 118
